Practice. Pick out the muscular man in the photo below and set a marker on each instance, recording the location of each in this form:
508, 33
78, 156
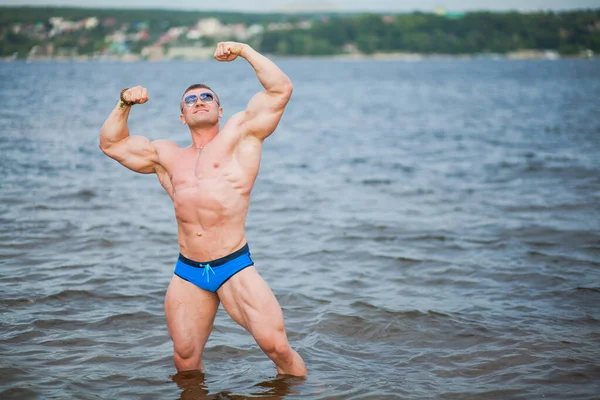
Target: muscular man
210, 183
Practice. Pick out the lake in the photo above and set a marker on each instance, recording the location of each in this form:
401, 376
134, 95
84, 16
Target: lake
431, 230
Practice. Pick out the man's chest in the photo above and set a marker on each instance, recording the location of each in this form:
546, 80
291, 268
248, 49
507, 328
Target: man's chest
202, 168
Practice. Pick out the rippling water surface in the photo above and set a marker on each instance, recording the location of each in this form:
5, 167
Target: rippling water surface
431, 230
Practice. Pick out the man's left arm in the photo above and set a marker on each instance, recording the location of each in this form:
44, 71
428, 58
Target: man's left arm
266, 108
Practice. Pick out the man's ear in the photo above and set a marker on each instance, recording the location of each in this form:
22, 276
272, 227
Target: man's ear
220, 112
181, 118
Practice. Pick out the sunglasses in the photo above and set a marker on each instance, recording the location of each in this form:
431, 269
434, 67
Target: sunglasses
205, 97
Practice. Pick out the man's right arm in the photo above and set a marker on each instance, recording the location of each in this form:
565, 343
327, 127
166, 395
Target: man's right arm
134, 152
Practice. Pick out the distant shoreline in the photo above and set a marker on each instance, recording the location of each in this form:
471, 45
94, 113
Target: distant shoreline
408, 57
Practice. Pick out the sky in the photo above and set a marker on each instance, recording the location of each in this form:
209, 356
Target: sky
310, 5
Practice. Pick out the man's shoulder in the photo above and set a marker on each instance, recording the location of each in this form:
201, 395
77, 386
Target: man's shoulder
166, 150
232, 130
165, 144
236, 127
235, 120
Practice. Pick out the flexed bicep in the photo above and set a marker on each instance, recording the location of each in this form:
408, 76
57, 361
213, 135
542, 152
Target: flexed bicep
266, 108
264, 112
134, 152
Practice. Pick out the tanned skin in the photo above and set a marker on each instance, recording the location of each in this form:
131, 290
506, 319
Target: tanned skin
210, 183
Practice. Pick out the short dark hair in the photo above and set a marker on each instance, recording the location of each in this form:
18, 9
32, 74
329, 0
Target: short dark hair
201, 86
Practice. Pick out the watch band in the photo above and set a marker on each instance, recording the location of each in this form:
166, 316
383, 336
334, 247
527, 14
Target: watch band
123, 101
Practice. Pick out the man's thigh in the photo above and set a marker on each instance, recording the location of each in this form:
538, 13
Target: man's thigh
250, 302
190, 313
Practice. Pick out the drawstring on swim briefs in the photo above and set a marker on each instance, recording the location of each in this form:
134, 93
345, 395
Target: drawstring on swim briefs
207, 268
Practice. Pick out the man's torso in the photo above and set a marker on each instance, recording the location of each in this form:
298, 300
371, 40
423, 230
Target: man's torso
210, 189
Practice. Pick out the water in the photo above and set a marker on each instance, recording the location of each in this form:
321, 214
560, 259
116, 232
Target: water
431, 230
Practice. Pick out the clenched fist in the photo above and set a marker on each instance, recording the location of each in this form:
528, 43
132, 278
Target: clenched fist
137, 95
228, 51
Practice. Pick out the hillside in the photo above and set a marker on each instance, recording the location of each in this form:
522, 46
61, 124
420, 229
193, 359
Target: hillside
50, 32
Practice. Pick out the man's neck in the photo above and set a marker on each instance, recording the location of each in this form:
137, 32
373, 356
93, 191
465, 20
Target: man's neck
202, 136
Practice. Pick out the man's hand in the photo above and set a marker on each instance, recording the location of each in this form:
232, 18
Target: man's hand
228, 51
137, 95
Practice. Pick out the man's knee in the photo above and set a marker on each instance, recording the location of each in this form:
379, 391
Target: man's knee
186, 356
277, 346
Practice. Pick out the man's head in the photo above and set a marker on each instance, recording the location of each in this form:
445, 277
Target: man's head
200, 106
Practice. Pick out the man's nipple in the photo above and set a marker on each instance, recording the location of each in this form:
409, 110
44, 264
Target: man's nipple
198, 234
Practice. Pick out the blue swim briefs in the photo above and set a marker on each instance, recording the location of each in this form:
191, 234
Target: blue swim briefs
211, 275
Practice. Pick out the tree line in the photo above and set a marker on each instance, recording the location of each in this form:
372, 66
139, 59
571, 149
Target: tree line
480, 32
567, 32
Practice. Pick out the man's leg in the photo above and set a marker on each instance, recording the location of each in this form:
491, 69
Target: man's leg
248, 300
190, 313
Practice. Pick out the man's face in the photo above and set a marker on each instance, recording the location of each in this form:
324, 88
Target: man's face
200, 108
